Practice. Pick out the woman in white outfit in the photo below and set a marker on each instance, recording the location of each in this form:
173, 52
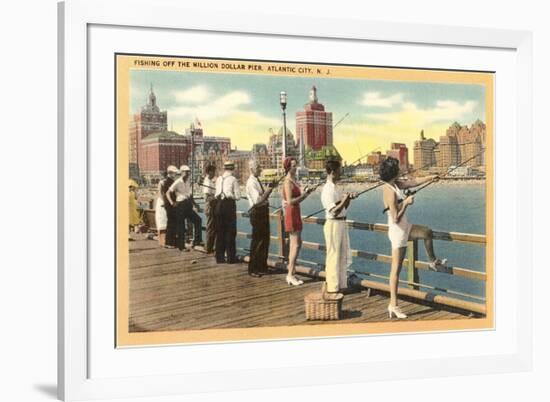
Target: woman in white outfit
161, 219
400, 230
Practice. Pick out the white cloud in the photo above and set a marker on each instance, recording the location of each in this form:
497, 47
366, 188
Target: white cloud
218, 108
196, 94
443, 111
228, 115
375, 99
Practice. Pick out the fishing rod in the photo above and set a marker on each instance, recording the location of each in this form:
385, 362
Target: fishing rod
360, 193
378, 184
362, 156
205, 185
447, 173
254, 206
436, 178
241, 198
214, 188
276, 183
307, 188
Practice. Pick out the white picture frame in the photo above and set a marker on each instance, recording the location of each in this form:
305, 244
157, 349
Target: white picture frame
75, 379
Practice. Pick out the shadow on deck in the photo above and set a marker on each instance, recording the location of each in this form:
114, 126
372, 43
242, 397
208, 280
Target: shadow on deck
170, 290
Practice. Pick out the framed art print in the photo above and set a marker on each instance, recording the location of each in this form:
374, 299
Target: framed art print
257, 195
159, 300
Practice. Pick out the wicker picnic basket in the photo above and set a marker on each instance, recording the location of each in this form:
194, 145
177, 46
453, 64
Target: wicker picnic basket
323, 306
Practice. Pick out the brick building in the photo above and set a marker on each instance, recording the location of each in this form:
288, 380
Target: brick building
462, 143
152, 147
375, 158
314, 124
150, 119
159, 150
459, 144
401, 153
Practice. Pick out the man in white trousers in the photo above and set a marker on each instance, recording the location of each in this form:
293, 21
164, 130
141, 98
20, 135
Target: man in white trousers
335, 202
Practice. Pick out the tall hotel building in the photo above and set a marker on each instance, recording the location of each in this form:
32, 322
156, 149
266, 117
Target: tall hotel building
459, 144
313, 124
149, 120
314, 134
424, 152
462, 143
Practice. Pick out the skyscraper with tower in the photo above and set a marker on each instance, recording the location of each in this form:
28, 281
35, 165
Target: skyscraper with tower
314, 134
314, 124
150, 119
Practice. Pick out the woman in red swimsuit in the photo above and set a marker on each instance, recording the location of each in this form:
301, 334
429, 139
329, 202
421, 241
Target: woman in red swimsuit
292, 197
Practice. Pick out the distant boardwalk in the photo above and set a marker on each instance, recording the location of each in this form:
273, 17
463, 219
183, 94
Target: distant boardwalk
170, 290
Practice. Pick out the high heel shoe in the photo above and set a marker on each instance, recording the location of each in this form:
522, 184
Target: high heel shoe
293, 281
438, 264
394, 310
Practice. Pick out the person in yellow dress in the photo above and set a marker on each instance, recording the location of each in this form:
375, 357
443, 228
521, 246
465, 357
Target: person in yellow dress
133, 213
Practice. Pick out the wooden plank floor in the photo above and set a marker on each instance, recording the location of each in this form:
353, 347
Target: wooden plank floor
170, 290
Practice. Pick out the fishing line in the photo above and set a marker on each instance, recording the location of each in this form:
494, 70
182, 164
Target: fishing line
423, 186
378, 184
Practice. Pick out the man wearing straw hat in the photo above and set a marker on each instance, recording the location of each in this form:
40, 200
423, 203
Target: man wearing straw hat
227, 194
259, 219
183, 203
338, 257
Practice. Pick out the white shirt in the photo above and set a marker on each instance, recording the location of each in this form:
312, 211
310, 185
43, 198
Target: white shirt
181, 188
254, 190
209, 186
230, 186
330, 196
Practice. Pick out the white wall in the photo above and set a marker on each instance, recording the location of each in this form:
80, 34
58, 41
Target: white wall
28, 245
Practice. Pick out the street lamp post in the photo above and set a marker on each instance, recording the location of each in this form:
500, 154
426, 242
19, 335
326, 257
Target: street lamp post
283, 101
192, 131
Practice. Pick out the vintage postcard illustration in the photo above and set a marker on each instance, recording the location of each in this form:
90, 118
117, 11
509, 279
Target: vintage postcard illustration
281, 200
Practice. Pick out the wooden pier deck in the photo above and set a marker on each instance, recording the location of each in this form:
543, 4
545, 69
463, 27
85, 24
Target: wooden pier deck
170, 290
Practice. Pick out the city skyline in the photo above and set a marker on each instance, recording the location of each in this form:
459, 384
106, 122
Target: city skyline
244, 107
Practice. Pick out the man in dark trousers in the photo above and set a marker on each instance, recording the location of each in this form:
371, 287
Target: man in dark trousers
209, 190
227, 194
259, 219
164, 185
183, 203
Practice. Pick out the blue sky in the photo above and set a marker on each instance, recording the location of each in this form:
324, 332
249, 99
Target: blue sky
244, 107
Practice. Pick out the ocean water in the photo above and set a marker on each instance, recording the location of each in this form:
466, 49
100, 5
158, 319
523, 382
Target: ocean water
455, 206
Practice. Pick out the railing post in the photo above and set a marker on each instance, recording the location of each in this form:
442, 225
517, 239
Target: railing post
412, 256
281, 234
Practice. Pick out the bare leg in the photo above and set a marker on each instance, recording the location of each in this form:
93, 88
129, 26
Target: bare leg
426, 234
162, 238
397, 256
295, 245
